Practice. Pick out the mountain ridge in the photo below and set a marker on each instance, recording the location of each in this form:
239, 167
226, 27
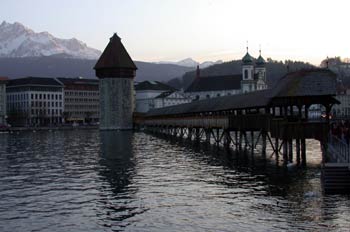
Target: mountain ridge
57, 66
17, 40
189, 62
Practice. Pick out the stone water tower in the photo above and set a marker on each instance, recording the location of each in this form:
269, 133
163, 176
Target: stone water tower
116, 71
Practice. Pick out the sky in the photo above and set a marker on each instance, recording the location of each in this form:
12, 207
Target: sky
171, 30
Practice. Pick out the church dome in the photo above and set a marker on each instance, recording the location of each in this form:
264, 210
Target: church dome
260, 61
247, 59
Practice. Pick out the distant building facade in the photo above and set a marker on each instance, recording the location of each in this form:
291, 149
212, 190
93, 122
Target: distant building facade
34, 101
252, 78
170, 98
343, 109
154, 94
81, 100
3, 113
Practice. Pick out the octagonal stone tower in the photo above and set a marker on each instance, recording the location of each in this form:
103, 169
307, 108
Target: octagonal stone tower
116, 71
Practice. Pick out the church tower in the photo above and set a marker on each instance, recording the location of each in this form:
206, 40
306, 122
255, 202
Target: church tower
260, 71
247, 82
116, 71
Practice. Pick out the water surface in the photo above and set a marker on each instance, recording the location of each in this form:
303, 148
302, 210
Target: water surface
124, 181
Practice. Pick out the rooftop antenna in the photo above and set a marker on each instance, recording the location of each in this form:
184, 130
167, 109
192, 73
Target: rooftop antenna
327, 62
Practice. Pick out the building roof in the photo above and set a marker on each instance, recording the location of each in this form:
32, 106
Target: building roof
153, 85
3, 80
78, 81
247, 59
32, 81
165, 94
215, 83
304, 83
312, 82
260, 61
115, 56
239, 101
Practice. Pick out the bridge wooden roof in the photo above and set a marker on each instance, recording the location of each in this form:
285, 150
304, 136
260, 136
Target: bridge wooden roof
316, 84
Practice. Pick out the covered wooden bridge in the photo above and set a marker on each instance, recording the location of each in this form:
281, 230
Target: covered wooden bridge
278, 115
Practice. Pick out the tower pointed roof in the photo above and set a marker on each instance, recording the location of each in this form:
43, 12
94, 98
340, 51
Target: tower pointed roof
260, 61
247, 59
115, 56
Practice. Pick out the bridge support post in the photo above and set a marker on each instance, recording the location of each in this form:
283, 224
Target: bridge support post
303, 152
227, 139
277, 150
245, 140
236, 139
197, 135
297, 148
252, 142
290, 150
217, 137
284, 152
263, 137
181, 133
240, 140
189, 135
207, 136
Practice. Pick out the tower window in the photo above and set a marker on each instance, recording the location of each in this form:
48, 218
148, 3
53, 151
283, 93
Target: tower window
246, 74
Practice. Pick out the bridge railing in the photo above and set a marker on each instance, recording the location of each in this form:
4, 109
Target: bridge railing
339, 149
282, 128
203, 122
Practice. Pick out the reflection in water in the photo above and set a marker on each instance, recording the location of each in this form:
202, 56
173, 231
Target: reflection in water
118, 169
112, 181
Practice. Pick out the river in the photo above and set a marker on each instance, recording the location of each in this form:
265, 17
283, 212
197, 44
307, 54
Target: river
86, 180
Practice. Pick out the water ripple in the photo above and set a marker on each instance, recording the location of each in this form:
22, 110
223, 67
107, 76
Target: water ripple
117, 181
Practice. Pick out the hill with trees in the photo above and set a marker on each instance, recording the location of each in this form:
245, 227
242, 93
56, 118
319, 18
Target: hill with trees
275, 70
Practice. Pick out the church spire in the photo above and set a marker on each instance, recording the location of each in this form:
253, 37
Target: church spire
259, 49
260, 61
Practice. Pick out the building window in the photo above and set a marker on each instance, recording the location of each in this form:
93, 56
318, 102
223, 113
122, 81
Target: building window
246, 74
208, 96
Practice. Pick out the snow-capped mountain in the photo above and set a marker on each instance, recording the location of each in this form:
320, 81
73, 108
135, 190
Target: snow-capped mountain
16, 40
189, 62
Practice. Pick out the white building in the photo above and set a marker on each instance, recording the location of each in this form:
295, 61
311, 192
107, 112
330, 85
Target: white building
170, 98
34, 101
154, 94
81, 100
3, 81
252, 78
